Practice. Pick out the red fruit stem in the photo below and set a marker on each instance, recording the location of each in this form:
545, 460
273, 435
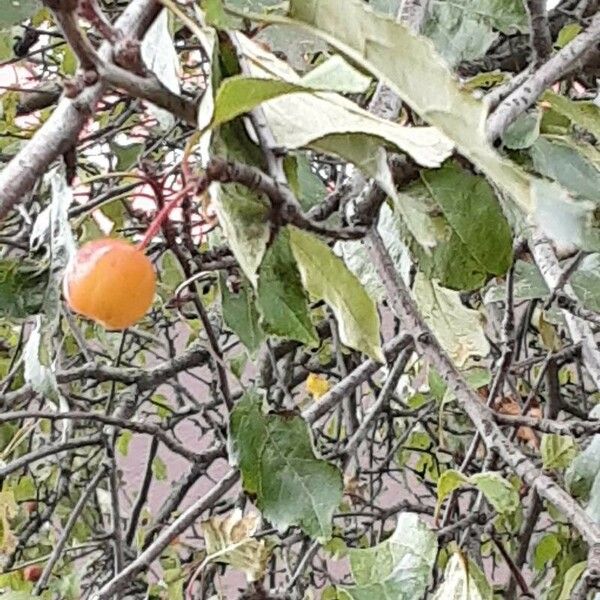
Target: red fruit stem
161, 216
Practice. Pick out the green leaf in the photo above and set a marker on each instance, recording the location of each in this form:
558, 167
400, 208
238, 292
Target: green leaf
487, 248
256, 6
240, 313
215, 13
364, 151
123, 442
498, 491
336, 75
484, 80
563, 216
159, 469
586, 282
171, 273
299, 46
239, 94
567, 34
127, 155
459, 329
160, 57
528, 285
584, 113
19, 588
571, 577
397, 569
22, 286
69, 63
238, 363
15, 11
546, 550
437, 386
281, 298
278, 464
15, 596
582, 472
504, 15
306, 185
558, 451
244, 219
243, 214
37, 369
6, 44
52, 231
52, 227
115, 211
463, 579
402, 59
175, 581
593, 507
325, 114
386, 7
25, 489
7, 433
448, 482
66, 587
464, 29
558, 159
326, 277
457, 35
523, 132
332, 593
478, 377
357, 259
336, 548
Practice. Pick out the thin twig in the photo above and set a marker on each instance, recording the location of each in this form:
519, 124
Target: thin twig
152, 552
72, 520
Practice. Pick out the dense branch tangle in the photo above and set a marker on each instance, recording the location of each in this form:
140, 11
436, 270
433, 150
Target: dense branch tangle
88, 466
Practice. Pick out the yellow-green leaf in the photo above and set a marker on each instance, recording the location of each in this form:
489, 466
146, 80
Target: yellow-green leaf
326, 277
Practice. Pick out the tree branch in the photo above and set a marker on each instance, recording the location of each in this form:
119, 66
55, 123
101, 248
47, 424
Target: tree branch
150, 554
282, 199
427, 344
354, 379
554, 276
413, 13
539, 31
576, 429
66, 532
150, 88
62, 128
147, 87
571, 56
27, 459
146, 428
65, 16
144, 379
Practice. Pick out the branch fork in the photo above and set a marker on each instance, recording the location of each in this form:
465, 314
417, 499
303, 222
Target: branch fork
123, 69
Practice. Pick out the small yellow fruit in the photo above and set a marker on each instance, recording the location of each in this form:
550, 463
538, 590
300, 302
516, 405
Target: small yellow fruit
110, 281
317, 385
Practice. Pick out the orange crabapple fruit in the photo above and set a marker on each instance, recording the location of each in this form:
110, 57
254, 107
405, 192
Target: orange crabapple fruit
111, 282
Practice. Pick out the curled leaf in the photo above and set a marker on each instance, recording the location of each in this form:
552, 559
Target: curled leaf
229, 540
